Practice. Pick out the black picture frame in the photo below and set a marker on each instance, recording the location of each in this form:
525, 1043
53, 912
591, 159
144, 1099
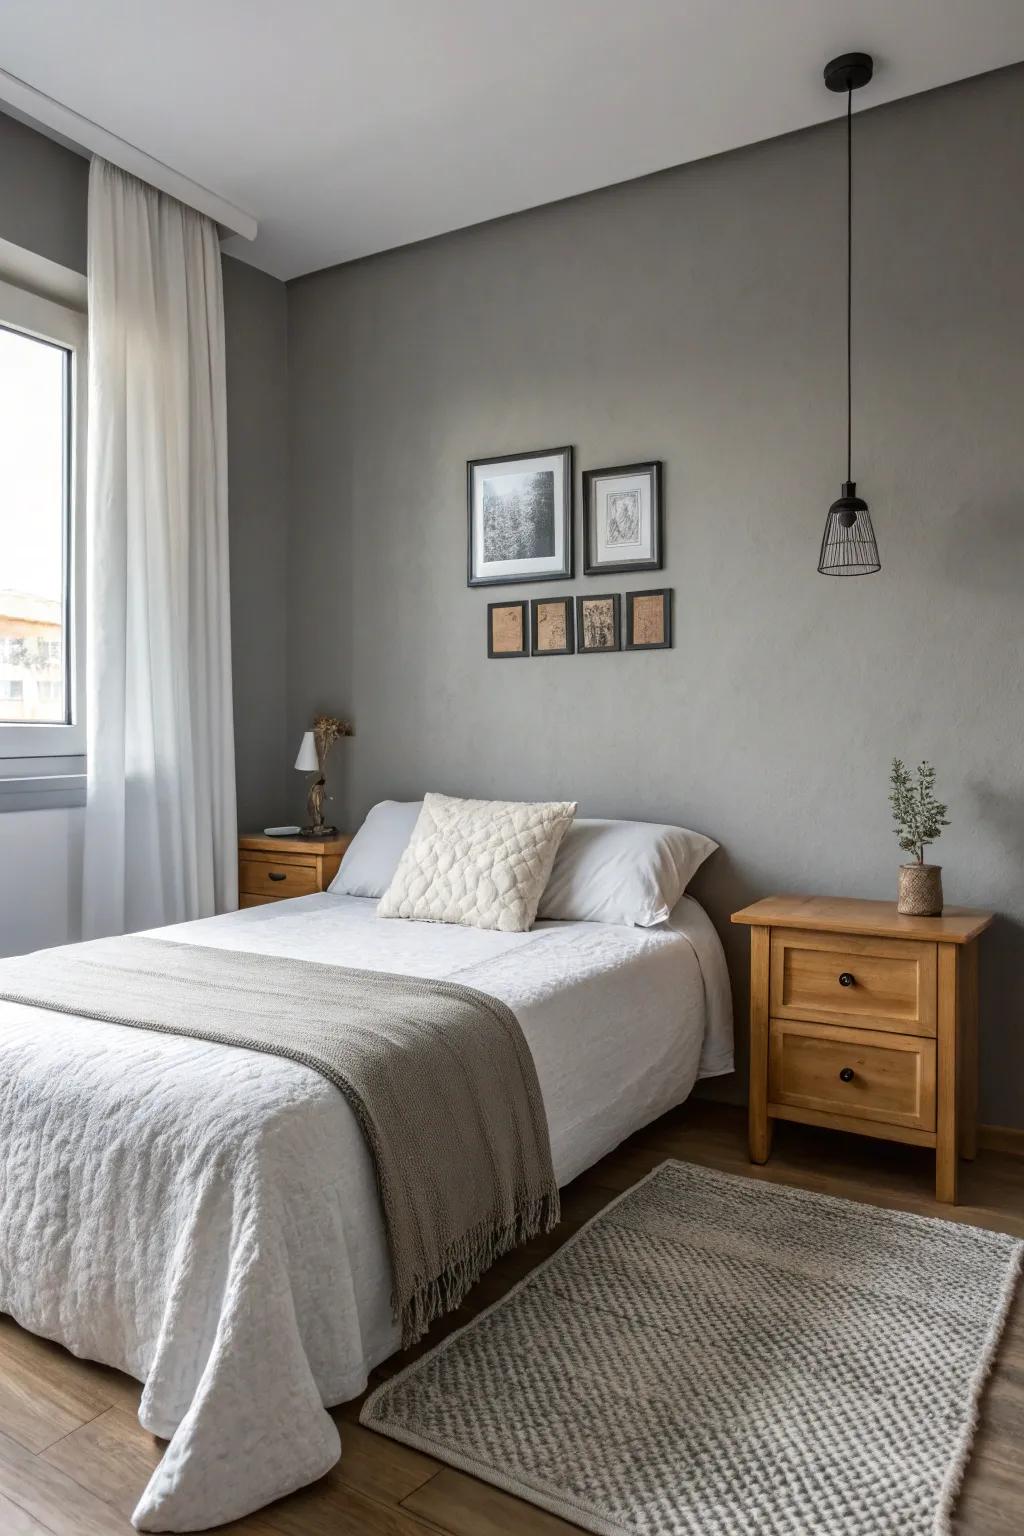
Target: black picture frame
569, 649
582, 599
665, 644
494, 655
592, 565
563, 512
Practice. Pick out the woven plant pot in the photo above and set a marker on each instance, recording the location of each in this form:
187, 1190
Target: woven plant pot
920, 890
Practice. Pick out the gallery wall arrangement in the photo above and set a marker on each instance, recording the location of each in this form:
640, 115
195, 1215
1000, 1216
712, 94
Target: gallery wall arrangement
521, 529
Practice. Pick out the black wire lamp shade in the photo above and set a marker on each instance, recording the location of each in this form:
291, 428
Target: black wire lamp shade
848, 546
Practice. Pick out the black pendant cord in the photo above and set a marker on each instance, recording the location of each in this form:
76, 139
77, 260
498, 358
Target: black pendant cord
849, 284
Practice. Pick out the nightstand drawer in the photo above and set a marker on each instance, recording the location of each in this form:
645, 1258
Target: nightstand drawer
886, 984
276, 878
866, 1074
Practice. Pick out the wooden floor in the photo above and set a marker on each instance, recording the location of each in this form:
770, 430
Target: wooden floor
73, 1458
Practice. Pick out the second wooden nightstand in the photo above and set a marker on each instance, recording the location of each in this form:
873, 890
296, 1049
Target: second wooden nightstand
274, 868
864, 1020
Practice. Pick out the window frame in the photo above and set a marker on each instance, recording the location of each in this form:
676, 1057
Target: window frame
37, 744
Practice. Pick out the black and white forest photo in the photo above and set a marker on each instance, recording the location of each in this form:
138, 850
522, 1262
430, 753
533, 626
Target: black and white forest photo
520, 518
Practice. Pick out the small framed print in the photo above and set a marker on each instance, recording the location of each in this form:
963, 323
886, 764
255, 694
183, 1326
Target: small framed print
597, 623
507, 634
649, 620
520, 511
552, 632
623, 519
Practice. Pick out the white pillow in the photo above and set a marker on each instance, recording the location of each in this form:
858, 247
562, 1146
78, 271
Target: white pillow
481, 863
371, 858
628, 872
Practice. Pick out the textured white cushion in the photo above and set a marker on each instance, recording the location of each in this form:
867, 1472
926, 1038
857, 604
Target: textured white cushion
372, 856
481, 863
629, 872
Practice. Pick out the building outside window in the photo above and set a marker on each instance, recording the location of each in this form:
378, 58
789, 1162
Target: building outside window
30, 658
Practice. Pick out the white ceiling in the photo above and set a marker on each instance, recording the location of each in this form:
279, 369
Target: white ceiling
350, 126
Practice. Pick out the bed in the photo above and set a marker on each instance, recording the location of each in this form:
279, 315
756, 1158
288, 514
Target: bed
206, 1218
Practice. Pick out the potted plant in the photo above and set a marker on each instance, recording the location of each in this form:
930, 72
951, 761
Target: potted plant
919, 820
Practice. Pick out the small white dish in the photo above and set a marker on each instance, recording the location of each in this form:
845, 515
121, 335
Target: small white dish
281, 831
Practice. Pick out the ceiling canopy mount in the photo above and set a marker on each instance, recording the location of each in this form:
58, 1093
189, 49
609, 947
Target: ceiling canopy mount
849, 71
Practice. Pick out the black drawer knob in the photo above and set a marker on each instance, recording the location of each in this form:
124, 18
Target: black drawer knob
845, 979
275, 874
846, 1075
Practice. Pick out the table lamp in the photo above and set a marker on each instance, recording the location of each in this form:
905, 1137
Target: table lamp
312, 758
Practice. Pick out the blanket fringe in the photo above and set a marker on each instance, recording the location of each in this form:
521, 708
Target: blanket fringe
469, 1257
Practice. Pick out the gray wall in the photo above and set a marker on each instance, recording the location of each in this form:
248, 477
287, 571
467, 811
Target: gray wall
43, 194
255, 327
698, 317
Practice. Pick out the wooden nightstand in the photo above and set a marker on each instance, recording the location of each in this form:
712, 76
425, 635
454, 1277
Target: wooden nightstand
863, 1020
274, 868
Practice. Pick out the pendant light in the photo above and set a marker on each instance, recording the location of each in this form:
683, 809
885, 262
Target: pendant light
848, 547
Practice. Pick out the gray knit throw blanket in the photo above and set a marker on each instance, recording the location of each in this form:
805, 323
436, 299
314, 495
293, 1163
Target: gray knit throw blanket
438, 1075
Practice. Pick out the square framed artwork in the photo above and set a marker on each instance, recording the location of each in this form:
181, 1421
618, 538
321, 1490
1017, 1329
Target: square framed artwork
507, 631
649, 620
597, 623
520, 512
623, 519
552, 631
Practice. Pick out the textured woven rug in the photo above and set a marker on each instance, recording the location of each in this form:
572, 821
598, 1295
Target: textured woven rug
719, 1356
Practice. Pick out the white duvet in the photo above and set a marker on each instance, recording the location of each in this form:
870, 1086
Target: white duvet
206, 1218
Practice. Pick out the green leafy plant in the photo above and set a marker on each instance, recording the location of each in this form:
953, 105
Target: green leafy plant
919, 818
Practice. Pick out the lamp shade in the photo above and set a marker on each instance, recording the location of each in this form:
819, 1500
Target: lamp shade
848, 547
307, 760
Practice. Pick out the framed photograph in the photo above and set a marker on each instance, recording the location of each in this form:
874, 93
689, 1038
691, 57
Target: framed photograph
649, 620
507, 634
597, 623
552, 632
622, 519
520, 518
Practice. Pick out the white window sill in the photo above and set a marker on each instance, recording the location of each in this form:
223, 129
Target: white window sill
41, 783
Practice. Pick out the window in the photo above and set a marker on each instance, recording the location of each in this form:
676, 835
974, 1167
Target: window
35, 430
42, 353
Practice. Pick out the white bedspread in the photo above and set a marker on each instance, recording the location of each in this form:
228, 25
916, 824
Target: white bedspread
206, 1218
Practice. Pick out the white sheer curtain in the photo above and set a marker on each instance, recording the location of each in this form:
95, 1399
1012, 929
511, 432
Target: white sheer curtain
160, 832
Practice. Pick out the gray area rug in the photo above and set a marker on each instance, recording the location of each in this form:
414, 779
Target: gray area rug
720, 1356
